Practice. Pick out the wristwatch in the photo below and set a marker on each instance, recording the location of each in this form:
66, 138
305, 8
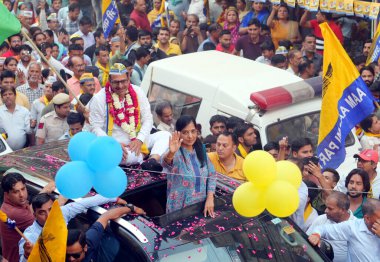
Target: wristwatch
130, 206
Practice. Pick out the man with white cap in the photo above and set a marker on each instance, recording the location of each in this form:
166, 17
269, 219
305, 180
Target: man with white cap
122, 110
54, 124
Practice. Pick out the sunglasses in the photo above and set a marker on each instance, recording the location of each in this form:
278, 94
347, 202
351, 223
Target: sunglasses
74, 255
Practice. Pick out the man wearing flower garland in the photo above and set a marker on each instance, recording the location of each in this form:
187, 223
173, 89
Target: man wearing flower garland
122, 110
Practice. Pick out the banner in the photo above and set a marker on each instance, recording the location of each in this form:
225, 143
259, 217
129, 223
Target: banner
343, 7
110, 16
346, 101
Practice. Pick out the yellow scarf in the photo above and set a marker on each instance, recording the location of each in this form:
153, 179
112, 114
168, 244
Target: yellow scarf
144, 148
106, 72
242, 151
371, 134
307, 212
44, 100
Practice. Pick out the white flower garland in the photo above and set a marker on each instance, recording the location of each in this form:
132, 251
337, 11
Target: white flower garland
129, 128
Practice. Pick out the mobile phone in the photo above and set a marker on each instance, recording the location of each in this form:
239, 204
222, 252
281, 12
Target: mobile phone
312, 159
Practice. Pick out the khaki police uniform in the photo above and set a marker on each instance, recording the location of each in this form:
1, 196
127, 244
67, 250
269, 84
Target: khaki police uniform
51, 126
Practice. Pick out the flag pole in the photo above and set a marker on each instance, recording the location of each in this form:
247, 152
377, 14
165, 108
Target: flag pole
21, 234
25, 34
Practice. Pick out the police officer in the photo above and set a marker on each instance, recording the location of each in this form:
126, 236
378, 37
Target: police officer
54, 124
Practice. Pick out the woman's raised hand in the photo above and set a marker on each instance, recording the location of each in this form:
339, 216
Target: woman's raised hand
175, 142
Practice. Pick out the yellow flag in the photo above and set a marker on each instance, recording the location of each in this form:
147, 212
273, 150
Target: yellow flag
51, 245
346, 100
374, 52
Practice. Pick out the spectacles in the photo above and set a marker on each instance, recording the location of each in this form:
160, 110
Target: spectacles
121, 82
74, 255
362, 160
25, 52
80, 66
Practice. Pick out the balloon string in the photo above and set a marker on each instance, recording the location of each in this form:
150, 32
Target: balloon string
163, 173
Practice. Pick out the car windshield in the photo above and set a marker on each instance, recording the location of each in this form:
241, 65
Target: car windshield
298, 127
263, 239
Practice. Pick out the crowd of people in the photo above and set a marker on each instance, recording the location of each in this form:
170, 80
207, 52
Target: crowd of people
101, 94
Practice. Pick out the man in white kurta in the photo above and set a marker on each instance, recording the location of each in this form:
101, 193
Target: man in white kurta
100, 118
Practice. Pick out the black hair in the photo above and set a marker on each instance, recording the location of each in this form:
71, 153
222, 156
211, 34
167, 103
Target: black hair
33, 30
144, 33
7, 74
285, 43
181, 123
57, 85
141, 52
366, 123
305, 64
9, 59
40, 199
209, 46
63, 31
37, 34
73, 6
328, 16
368, 41
255, 22
335, 173
309, 35
367, 68
267, 45
45, 72
85, 98
49, 32
3, 90
233, 136
298, 143
4, 45
70, 61
11, 179
214, 27
210, 139
76, 235
233, 122
98, 33
242, 128
73, 40
132, 33
277, 59
218, 118
10, 37
271, 145
364, 175
26, 47
224, 32
312, 190
361, 59
75, 47
161, 106
265, 27
85, 20
75, 117
164, 29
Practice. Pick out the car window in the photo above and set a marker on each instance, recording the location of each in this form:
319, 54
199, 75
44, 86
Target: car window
263, 239
183, 104
306, 125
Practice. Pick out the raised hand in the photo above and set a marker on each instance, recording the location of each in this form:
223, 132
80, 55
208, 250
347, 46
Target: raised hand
175, 142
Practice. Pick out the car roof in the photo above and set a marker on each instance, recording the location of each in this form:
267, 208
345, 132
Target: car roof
226, 79
43, 162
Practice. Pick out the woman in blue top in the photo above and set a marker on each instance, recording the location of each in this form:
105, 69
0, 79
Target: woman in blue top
194, 177
258, 11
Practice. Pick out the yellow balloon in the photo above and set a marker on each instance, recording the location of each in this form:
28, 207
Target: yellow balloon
289, 172
282, 199
249, 200
259, 167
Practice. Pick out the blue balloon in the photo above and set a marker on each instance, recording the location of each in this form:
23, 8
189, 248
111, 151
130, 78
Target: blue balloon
111, 183
79, 144
74, 179
104, 153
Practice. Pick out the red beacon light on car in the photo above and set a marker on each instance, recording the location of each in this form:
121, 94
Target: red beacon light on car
288, 94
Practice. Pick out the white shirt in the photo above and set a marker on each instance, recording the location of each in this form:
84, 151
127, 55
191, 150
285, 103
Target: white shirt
164, 127
339, 247
98, 117
310, 219
263, 60
298, 215
375, 185
63, 13
16, 124
88, 39
24, 69
368, 142
362, 244
36, 110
